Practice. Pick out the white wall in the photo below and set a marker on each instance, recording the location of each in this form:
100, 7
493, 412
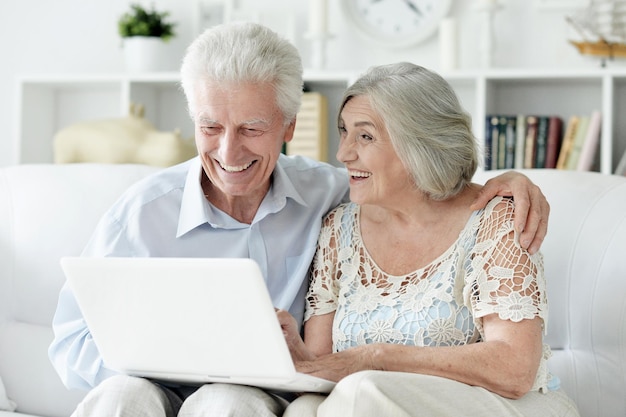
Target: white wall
80, 36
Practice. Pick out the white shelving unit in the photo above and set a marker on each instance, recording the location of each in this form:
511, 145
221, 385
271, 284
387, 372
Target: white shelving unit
46, 104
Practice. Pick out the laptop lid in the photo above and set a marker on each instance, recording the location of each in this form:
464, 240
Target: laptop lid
188, 320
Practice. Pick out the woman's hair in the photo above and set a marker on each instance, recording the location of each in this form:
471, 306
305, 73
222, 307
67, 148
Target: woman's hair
245, 53
429, 130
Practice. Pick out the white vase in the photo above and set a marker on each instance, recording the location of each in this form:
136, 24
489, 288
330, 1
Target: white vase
146, 54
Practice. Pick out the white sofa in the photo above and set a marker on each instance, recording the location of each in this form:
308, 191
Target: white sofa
47, 211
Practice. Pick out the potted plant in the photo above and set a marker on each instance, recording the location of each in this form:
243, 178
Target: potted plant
142, 22
144, 33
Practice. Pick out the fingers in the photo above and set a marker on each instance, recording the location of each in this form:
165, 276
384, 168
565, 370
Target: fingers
524, 222
283, 317
487, 192
287, 323
504, 185
536, 227
531, 218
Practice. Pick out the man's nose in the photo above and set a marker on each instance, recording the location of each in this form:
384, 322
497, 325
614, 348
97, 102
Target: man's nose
229, 145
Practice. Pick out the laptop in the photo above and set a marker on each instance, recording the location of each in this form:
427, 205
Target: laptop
186, 320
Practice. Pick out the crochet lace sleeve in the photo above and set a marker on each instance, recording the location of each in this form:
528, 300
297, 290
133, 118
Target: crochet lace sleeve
323, 288
504, 278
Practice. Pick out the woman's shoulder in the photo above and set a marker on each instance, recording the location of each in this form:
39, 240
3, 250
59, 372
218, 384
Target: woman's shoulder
342, 210
495, 218
342, 217
500, 207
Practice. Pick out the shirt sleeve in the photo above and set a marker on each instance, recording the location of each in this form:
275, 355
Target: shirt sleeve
504, 278
73, 352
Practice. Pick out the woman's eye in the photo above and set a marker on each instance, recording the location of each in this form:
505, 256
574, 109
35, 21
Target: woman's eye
364, 138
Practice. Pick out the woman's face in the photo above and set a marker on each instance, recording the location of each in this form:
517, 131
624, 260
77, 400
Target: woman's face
239, 133
377, 176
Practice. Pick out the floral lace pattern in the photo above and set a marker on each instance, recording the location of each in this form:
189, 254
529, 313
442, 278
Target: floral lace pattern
484, 272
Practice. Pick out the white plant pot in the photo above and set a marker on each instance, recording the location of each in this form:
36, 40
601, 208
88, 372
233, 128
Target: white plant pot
146, 54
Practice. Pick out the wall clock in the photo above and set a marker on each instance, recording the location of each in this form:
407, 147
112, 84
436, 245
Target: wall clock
395, 23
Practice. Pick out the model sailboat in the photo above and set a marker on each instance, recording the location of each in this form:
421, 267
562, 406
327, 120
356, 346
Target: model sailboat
602, 26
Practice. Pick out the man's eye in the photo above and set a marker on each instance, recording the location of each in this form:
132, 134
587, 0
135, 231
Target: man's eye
252, 132
210, 130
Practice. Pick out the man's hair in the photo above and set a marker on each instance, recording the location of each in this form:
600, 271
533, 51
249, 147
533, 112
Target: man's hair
244, 53
429, 130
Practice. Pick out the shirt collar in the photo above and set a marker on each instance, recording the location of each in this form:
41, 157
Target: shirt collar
282, 185
193, 210
196, 211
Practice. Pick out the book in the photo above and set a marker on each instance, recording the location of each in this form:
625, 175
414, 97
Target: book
555, 136
541, 142
487, 143
567, 141
310, 137
511, 138
502, 148
531, 137
590, 144
495, 134
577, 144
520, 141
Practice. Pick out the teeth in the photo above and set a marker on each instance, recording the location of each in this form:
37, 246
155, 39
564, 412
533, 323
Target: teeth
360, 174
239, 168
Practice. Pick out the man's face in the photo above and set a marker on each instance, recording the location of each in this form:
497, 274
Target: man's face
239, 132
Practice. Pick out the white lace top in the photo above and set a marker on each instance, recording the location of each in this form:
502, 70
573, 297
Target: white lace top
440, 304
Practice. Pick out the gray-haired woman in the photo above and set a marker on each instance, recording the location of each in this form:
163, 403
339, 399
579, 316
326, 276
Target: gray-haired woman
418, 305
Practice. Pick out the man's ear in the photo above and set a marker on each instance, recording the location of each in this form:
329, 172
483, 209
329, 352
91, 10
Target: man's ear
289, 131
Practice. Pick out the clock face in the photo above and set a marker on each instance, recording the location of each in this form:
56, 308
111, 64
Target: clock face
398, 23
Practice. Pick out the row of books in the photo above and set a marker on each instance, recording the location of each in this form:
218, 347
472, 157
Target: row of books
544, 141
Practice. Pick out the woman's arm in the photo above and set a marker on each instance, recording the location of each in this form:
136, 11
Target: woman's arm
321, 298
319, 341
506, 362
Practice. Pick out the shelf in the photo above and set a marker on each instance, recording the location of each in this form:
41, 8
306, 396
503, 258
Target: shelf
48, 103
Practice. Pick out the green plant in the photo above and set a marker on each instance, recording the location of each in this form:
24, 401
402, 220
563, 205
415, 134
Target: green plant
142, 22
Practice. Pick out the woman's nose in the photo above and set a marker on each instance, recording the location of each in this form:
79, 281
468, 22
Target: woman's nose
345, 152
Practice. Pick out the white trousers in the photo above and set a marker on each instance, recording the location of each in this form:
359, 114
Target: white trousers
126, 396
397, 394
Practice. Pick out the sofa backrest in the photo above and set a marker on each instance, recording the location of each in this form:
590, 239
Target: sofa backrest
46, 211
585, 267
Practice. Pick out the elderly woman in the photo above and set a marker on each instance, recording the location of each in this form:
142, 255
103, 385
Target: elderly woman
418, 305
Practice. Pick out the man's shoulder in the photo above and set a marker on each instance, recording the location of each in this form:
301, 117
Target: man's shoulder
165, 182
314, 180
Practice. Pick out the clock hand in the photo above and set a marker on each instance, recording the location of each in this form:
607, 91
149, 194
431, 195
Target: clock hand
413, 7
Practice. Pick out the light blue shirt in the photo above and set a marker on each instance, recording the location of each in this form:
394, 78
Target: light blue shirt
167, 215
